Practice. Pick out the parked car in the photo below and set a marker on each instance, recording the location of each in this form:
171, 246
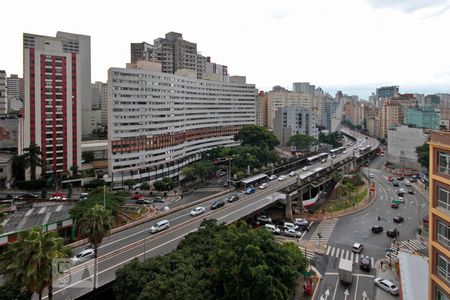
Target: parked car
28, 196
264, 219
387, 285
250, 190
272, 177
395, 183
377, 229
301, 222
233, 198
394, 205
357, 248
217, 204
281, 178
263, 185
393, 233
272, 228
279, 221
83, 196
365, 263
159, 200
390, 178
400, 178
142, 201
84, 255
197, 211
411, 191
291, 233
137, 196
58, 196
407, 182
161, 225
398, 219
305, 169
292, 174
289, 225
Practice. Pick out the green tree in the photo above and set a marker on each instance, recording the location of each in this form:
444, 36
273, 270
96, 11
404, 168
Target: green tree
32, 158
336, 176
333, 139
165, 184
202, 170
30, 260
95, 225
88, 156
74, 169
69, 191
256, 136
302, 142
129, 183
423, 155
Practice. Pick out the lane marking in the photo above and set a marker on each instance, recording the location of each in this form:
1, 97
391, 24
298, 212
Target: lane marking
335, 288
356, 289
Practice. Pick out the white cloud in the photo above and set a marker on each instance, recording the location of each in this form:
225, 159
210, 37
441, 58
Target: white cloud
406, 5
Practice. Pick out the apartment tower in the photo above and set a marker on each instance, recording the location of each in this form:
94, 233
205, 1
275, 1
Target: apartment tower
439, 216
57, 83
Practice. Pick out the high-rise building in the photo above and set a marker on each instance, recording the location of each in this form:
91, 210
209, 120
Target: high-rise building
100, 93
3, 94
439, 216
422, 118
157, 122
393, 111
15, 85
261, 109
303, 87
294, 119
57, 75
387, 91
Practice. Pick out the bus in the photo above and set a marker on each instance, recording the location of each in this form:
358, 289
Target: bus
364, 149
316, 158
337, 151
252, 181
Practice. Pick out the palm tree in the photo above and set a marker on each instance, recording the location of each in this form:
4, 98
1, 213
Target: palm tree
95, 224
32, 158
30, 260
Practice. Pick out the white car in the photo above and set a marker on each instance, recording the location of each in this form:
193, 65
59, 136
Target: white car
401, 199
161, 225
281, 178
84, 255
291, 233
370, 175
263, 186
292, 174
301, 222
272, 228
273, 177
289, 225
345, 151
386, 285
305, 169
264, 219
197, 211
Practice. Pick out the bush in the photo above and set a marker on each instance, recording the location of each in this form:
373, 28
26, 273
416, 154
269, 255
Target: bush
36, 184
94, 184
145, 186
165, 184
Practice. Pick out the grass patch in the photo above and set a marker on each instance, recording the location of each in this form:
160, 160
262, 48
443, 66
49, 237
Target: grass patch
346, 202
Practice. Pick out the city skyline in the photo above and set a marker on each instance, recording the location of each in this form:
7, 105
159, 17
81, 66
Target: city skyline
324, 42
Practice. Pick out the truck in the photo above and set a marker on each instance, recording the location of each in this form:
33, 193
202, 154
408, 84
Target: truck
345, 271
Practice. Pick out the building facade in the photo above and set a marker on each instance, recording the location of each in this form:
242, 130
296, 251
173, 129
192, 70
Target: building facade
57, 84
158, 122
261, 109
387, 91
439, 216
3, 94
281, 97
403, 141
15, 86
422, 118
294, 119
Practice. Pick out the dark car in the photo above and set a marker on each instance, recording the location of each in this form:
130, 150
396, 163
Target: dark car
365, 263
279, 221
410, 191
159, 200
400, 178
398, 219
233, 198
377, 229
217, 204
395, 183
29, 196
393, 233
142, 201
400, 194
394, 205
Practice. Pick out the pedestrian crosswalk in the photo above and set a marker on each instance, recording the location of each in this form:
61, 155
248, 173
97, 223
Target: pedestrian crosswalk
210, 189
347, 254
323, 232
411, 245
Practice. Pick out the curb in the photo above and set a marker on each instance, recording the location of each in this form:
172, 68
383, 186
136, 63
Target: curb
149, 219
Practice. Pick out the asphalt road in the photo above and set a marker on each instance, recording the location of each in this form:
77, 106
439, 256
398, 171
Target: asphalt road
357, 228
120, 248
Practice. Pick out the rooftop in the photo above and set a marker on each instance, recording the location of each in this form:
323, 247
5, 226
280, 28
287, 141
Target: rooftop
413, 276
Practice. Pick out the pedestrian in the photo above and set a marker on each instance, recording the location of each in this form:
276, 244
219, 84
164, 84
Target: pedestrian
381, 263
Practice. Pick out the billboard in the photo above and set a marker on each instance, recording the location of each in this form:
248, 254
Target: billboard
8, 133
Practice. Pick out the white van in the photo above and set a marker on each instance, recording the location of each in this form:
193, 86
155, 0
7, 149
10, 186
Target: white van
161, 225
272, 228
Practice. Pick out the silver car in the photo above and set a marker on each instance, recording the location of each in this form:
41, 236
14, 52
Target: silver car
387, 285
292, 233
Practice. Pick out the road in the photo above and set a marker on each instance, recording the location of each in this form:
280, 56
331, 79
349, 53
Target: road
120, 248
357, 228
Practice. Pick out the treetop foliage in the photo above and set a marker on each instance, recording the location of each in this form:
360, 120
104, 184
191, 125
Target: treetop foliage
255, 135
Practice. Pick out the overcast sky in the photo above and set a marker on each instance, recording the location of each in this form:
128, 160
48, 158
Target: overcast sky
351, 45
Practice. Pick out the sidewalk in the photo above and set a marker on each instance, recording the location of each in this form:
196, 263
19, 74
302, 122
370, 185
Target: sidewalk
386, 272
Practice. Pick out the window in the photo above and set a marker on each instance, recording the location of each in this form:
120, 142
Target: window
443, 267
441, 295
444, 163
443, 233
443, 200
